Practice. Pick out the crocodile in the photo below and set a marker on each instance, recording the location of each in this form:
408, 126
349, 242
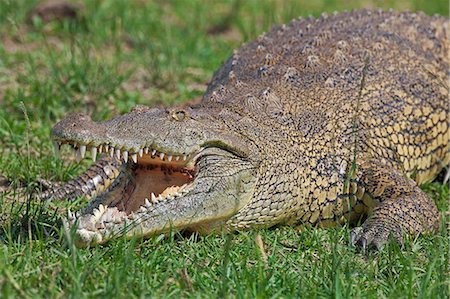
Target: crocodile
320, 122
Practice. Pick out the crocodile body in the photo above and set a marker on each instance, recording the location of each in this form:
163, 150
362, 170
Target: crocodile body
321, 121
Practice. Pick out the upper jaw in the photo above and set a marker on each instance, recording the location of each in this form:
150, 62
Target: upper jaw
124, 153
130, 135
171, 134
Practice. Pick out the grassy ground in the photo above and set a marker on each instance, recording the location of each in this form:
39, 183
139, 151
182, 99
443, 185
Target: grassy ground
126, 52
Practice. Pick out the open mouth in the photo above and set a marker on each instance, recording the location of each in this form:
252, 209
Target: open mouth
149, 177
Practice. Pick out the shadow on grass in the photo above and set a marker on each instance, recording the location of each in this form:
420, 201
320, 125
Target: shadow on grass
27, 220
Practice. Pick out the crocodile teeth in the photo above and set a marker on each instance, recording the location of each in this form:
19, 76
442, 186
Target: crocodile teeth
70, 215
94, 153
82, 150
97, 213
121, 152
153, 197
160, 197
81, 153
147, 203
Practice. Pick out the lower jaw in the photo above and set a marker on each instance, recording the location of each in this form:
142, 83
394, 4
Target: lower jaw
141, 185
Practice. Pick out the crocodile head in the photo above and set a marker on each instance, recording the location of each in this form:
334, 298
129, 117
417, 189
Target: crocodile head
182, 168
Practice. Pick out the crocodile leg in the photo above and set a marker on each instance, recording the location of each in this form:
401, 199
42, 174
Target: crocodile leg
89, 184
403, 208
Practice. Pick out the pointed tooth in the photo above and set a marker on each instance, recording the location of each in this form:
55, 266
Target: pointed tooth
153, 197
169, 158
153, 152
161, 156
111, 151
102, 208
106, 148
160, 197
75, 144
97, 213
94, 153
100, 148
82, 150
70, 214
146, 150
118, 154
78, 155
184, 157
147, 203
134, 158
177, 158
141, 152
125, 156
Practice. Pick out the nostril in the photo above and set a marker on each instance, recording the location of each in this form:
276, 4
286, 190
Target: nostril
140, 108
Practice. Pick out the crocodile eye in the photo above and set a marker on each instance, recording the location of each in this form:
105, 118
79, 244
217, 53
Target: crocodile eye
179, 115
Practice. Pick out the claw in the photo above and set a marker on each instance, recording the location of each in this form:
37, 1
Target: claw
352, 237
363, 242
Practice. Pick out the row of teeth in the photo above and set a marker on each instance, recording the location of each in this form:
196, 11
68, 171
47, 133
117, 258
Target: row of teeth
99, 212
120, 154
156, 199
101, 215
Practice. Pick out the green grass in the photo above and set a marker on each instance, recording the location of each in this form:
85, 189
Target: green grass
123, 53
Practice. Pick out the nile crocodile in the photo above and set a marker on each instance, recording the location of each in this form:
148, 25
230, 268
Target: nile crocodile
319, 122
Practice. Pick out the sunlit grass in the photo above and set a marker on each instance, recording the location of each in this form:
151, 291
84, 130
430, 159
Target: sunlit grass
124, 53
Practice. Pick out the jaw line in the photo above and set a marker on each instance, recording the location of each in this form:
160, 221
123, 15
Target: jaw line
99, 223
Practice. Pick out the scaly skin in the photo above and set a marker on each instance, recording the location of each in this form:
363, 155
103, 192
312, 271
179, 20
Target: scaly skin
91, 183
317, 122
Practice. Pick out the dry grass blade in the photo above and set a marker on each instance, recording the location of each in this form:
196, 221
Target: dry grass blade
259, 242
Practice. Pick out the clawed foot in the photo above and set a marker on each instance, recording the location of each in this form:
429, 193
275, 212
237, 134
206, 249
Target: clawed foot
373, 236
